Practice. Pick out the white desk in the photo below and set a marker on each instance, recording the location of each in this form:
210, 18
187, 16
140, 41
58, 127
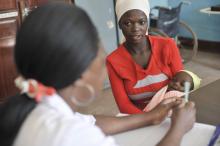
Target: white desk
150, 136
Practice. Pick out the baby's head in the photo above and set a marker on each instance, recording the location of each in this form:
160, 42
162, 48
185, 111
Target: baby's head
177, 82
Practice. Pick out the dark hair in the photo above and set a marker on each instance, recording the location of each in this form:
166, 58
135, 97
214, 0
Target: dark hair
55, 45
12, 114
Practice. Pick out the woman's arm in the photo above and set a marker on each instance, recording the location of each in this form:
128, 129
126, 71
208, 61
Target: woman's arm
121, 98
175, 58
113, 125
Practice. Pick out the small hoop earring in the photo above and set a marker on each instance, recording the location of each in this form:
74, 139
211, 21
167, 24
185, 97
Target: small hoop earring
147, 32
90, 98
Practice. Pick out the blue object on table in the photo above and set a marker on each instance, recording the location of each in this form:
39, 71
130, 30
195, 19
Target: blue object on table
215, 136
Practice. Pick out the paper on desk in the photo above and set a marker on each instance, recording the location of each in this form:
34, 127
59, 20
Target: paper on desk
150, 136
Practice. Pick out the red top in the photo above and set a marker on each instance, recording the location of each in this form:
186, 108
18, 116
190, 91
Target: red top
133, 86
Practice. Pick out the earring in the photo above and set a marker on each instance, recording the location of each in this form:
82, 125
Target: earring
83, 101
147, 31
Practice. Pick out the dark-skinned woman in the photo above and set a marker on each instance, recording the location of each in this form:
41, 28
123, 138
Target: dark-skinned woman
143, 64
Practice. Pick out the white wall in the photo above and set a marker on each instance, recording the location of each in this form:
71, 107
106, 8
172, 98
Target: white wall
103, 15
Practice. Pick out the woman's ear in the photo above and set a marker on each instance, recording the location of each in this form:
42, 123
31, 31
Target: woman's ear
119, 24
192, 86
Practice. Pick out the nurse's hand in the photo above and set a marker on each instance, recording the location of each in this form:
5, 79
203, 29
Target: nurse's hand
182, 121
160, 112
183, 117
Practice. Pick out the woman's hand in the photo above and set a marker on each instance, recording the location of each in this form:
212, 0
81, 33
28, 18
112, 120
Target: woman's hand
183, 117
160, 112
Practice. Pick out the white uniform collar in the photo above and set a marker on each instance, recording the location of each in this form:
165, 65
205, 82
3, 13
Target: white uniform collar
56, 101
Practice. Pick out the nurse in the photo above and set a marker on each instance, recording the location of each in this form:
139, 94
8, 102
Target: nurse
143, 64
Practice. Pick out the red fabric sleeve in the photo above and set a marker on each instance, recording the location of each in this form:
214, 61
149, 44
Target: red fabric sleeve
121, 98
175, 59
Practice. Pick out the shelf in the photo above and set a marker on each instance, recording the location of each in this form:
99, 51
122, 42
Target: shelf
209, 11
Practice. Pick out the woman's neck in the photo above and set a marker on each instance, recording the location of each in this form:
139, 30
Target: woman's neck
66, 95
135, 48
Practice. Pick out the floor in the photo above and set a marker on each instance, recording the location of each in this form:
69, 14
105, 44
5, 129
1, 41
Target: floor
206, 65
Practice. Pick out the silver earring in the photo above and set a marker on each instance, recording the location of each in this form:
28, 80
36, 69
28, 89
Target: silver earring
90, 98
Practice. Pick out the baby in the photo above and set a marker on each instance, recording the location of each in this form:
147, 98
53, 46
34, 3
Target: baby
174, 88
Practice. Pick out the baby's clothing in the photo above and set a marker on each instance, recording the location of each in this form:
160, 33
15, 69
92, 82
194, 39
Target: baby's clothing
160, 95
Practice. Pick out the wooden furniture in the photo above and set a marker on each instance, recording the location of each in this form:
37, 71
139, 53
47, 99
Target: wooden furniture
7, 5
25, 6
215, 8
12, 13
9, 22
207, 100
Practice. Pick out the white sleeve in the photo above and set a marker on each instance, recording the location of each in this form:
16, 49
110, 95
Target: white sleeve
64, 131
45, 127
86, 118
82, 133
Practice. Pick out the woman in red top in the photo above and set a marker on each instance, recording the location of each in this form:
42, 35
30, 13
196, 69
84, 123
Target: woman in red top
143, 64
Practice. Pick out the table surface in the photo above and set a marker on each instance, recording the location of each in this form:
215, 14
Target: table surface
207, 100
200, 135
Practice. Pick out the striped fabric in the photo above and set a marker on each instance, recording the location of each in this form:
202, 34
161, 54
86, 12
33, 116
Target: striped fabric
151, 79
133, 85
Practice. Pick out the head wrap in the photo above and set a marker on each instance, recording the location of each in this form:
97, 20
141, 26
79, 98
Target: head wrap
122, 6
196, 79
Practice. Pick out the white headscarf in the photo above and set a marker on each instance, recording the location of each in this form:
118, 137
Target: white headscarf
122, 6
